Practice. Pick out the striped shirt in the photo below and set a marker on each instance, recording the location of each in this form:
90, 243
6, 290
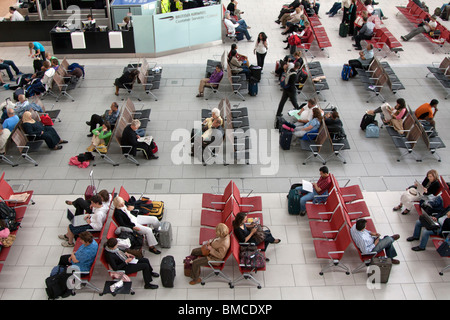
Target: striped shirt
363, 240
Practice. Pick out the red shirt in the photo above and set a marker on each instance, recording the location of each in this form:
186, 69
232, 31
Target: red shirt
324, 184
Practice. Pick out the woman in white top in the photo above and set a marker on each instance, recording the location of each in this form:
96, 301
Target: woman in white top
261, 47
143, 225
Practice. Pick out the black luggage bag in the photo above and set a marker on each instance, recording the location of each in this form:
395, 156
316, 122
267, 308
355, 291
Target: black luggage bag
167, 271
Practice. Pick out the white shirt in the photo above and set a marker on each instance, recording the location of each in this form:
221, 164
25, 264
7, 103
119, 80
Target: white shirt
307, 113
431, 26
47, 78
3, 139
260, 47
16, 16
363, 240
231, 26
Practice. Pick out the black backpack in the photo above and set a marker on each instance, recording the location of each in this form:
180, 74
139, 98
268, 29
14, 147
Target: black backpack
366, 120
56, 286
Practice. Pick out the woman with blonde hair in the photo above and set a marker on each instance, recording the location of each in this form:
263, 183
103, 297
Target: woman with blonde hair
46, 133
213, 250
431, 187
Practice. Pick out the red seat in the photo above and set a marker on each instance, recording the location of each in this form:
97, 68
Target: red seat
124, 194
211, 218
217, 201
246, 273
230, 210
350, 193
333, 249
323, 211
247, 204
6, 192
328, 229
437, 241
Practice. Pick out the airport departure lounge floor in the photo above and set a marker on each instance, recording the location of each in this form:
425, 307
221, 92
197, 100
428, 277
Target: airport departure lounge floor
293, 270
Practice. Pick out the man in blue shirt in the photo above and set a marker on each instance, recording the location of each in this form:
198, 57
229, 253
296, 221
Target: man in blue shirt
111, 116
84, 257
368, 242
364, 60
38, 49
12, 120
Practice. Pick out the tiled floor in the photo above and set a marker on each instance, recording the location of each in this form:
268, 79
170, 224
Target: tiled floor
293, 272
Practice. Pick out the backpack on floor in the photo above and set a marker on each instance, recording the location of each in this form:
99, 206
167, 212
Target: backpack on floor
347, 72
294, 202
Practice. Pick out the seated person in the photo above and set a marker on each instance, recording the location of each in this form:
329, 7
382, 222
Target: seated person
424, 27
217, 248
15, 15
120, 260
239, 27
90, 23
238, 66
364, 60
84, 257
41, 132
311, 126
392, 116
365, 33
4, 135
83, 206
41, 81
130, 138
321, 189
111, 116
298, 38
368, 242
246, 233
443, 218
306, 112
7, 65
431, 186
50, 57
334, 125
234, 11
94, 222
126, 80
211, 82
101, 136
11, 121
239, 56
287, 9
292, 17
209, 135
426, 112
142, 224
297, 27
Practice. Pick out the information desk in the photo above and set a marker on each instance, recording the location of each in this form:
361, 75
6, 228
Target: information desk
95, 42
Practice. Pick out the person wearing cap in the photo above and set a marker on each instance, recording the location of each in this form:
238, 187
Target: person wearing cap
431, 186
424, 27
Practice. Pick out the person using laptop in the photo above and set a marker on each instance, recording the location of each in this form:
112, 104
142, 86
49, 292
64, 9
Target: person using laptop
429, 186
93, 222
322, 187
442, 218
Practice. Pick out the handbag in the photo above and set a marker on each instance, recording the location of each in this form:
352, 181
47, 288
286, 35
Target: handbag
205, 251
444, 249
427, 222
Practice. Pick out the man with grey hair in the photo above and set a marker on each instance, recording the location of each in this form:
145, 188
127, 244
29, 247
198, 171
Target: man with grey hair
130, 138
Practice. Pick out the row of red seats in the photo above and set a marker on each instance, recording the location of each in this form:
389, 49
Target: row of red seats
330, 225
222, 208
84, 278
415, 14
320, 33
6, 191
382, 36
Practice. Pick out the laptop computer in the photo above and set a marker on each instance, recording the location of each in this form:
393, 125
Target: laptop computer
76, 221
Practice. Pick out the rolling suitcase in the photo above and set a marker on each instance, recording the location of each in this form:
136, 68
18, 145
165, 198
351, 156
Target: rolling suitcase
252, 87
383, 266
255, 73
293, 202
164, 235
285, 139
167, 271
90, 190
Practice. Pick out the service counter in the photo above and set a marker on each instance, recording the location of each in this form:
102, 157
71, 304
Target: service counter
92, 42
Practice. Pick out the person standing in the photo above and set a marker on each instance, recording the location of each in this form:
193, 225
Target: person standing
261, 47
38, 48
289, 90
